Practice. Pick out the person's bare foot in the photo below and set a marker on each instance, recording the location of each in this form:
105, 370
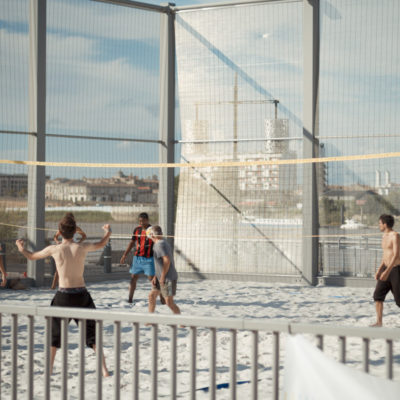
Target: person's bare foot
376, 325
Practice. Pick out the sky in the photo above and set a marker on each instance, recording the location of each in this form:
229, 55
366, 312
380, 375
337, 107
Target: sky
103, 79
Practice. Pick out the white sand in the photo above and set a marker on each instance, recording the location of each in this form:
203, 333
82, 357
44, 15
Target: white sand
251, 300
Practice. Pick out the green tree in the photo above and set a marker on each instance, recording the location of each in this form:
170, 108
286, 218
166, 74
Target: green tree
8, 222
330, 211
376, 205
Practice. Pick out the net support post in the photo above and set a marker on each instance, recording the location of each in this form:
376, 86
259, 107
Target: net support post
107, 258
167, 123
37, 141
310, 145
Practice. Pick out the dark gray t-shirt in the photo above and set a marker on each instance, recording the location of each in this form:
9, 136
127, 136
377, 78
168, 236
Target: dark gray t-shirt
161, 249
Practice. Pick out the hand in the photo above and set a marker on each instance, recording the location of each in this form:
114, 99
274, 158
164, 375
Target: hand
122, 260
107, 228
154, 281
162, 281
20, 244
377, 275
79, 231
55, 238
384, 275
4, 282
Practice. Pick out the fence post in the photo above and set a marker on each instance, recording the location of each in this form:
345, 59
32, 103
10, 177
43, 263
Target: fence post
167, 122
107, 258
310, 142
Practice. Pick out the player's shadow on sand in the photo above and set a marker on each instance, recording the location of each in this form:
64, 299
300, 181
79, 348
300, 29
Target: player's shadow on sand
189, 262
219, 303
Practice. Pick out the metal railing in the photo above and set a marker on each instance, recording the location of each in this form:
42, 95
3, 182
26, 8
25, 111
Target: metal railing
355, 257
255, 327
358, 257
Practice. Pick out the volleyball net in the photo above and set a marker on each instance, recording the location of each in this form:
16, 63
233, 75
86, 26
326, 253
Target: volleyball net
238, 217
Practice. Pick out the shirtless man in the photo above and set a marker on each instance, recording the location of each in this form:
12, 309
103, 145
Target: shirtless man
388, 273
56, 238
70, 263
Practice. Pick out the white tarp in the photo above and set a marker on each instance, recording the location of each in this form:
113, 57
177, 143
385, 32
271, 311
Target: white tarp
310, 375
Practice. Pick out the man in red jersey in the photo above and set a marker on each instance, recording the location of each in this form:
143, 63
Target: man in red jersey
143, 261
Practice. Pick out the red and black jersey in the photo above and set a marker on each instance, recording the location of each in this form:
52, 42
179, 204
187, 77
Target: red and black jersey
144, 245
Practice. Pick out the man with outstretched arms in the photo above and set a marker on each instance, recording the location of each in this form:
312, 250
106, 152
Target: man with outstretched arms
388, 273
70, 263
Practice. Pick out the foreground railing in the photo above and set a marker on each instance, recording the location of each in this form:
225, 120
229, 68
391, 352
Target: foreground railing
233, 326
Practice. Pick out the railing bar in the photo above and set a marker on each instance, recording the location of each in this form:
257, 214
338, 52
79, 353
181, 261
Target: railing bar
136, 361
14, 359
254, 366
221, 323
389, 359
117, 359
47, 366
174, 355
193, 351
119, 139
366, 354
30, 357
233, 367
342, 349
275, 367
99, 358
282, 139
64, 358
213, 361
154, 344
82, 342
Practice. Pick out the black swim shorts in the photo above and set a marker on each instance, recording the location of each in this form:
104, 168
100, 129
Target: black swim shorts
81, 299
391, 284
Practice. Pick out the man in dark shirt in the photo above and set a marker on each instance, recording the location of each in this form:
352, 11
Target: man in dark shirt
143, 261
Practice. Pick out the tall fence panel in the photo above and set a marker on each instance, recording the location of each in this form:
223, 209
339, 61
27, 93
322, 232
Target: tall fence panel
240, 97
357, 107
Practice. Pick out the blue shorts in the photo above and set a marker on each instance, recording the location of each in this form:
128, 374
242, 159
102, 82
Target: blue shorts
142, 264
